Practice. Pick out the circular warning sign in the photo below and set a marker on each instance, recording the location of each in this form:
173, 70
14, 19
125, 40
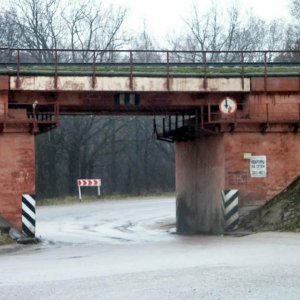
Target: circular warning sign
228, 106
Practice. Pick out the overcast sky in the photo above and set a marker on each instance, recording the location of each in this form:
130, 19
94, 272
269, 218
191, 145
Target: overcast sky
162, 16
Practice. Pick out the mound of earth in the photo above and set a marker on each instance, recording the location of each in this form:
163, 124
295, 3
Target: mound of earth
282, 213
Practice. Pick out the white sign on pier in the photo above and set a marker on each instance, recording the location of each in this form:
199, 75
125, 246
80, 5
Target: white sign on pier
258, 166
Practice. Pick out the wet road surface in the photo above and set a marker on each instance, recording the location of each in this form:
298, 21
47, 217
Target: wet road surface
127, 250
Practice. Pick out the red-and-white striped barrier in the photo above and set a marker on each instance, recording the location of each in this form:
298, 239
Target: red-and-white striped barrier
88, 182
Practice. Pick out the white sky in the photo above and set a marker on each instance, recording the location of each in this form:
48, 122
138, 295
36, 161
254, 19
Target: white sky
162, 16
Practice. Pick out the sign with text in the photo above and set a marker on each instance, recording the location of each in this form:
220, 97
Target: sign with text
258, 166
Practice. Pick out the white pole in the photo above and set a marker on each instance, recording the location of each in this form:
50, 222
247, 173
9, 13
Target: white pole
79, 192
99, 193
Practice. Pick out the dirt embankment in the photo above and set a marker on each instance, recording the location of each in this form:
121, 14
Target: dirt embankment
281, 214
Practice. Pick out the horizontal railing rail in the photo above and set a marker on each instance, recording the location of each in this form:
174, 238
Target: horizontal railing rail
137, 62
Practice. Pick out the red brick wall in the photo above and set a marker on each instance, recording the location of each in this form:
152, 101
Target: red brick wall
283, 164
17, 173
206, 166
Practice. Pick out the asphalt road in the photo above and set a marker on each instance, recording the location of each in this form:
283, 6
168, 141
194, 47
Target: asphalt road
127, 250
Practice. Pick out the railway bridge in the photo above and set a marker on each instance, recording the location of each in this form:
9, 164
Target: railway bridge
225, 111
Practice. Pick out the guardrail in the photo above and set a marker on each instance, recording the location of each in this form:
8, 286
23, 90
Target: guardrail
132, 63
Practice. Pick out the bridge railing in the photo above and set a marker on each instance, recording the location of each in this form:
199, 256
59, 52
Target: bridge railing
164, 63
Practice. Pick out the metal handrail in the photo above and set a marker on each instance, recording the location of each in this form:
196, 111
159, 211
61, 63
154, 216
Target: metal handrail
202, 63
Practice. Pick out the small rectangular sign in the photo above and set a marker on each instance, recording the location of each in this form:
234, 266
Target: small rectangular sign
89, 182
258, 166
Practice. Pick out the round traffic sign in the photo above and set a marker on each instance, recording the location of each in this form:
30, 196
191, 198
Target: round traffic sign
228, 106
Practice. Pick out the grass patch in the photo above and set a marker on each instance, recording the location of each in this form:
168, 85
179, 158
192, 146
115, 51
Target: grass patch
291, 225
5, 239
92, 198
150, 69
282, 213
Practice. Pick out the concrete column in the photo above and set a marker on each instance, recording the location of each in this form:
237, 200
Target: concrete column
200, 179
17, 173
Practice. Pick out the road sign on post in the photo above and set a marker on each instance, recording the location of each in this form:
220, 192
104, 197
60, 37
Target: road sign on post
88, 182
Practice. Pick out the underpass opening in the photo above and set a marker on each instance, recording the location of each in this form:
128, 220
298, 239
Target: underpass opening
121, 150
210, 144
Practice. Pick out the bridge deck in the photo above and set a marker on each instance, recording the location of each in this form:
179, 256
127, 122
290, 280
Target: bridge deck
188, 83
135, 64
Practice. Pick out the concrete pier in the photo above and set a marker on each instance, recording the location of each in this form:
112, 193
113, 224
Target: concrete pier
207, 166
199, 182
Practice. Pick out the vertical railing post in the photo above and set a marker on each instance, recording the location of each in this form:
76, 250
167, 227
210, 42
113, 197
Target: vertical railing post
242, 70
55, 69
18, 69
94, 70
205, 70
209, 113
265, 72
168, 70
131, 71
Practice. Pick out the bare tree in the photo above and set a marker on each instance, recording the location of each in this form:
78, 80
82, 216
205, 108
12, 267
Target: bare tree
9, 32
293, 36
10, 35
120, 150
295, 9
145, 44
40, 26
217, 30
93, 26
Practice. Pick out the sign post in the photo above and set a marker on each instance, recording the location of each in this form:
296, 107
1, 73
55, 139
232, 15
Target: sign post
88, 182
79, 192
99, 191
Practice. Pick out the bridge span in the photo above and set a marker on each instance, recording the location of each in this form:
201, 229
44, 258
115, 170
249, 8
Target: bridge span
220, 108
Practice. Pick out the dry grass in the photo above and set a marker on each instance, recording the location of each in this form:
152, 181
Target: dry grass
5, 239
93, 198
280, 214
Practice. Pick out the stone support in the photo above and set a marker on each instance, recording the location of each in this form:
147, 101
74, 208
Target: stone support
206, 166
199, 183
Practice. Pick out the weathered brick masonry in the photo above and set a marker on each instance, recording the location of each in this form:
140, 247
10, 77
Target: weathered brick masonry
266, 123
